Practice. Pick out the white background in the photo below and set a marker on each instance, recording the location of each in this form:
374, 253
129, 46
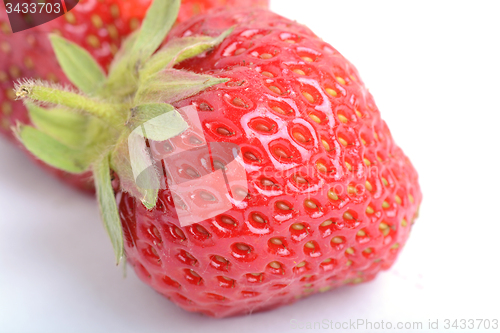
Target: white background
434, 69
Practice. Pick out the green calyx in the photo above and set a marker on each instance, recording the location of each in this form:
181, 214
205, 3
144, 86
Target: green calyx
104, 125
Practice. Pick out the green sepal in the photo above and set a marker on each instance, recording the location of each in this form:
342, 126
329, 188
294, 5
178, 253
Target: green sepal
138, 173
108, 206
158, 122
51, 151
180, 49
137, 50
67, 127
159, 20
173, 85
121, 79
78, 65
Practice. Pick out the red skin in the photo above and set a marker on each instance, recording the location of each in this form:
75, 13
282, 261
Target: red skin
28, 54
179, 262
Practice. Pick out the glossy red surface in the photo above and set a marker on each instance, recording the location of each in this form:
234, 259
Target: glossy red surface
331, 199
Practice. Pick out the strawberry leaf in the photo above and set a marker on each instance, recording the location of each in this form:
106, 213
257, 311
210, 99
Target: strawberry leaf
78, 65
180, 49
157, 122
107, 205
173, 85
159, 20
138, 175
137, 50
51, 151
65, 126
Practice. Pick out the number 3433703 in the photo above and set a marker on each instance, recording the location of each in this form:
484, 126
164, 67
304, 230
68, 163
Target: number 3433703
33, 8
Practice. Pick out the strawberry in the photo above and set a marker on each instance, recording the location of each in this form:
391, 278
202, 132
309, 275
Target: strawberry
99, 27
320, 194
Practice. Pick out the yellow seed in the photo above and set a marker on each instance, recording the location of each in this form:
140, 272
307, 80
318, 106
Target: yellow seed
6, 108
266, 56
276, 241
361, 233
352, 77
10, 94
301, 264
385, 204
278, 109
369, 210
375, 135
310, 204
348, 216
324, 289
70, 18
290, 41
310, 245
115, 11
114, 48
5, 123
96, 21
350, 251
379, 158
351, 190
363, 141
51, 77
325, 144
315, 118
321, 167
134, 24
397, 199
113, 32
343, 141
343, 118
326, 223
332, 195
275, 90
299, 71
367, 161
368, 250
240, 51
384, 181
359, 114
307, 59
404, 223
308, 96
28, 62
395, 246
410, 197
384, 228
299, 136
3, 76
331, 92
341, 80
243, 247
348, 263
4, 27
93, 41
337, 240
267, 74
275, 264
14, 71
5, 47
297, 226
348, 166
368, 186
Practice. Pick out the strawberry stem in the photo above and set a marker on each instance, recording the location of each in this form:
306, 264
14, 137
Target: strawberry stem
111, 113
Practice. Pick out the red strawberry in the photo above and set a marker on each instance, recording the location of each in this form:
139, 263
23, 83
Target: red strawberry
329, 200
99, 27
